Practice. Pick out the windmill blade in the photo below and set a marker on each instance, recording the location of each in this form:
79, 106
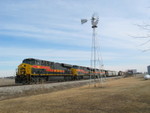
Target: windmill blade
94, 20
83, 21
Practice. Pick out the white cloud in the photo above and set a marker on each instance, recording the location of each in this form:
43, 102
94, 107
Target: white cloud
51, 53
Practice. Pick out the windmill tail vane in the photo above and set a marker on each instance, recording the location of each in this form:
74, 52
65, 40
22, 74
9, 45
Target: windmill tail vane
83, 21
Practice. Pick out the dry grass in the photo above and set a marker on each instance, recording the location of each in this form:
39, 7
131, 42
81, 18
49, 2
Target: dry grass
5, 81
128, 95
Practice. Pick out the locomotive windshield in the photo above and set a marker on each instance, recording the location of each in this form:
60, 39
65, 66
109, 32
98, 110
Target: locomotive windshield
29, 61
76, 67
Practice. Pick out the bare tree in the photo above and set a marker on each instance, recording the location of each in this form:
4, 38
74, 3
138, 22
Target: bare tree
146, 37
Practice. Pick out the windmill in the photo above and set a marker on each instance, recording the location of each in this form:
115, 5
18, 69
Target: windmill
94, 56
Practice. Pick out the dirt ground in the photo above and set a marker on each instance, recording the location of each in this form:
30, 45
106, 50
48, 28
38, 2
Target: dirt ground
126, 95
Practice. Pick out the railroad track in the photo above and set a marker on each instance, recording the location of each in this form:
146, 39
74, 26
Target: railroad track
10, 85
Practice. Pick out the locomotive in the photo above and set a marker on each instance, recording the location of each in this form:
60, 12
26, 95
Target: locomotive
36, 71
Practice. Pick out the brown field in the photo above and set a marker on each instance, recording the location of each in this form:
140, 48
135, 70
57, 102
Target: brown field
6, 81
126, 95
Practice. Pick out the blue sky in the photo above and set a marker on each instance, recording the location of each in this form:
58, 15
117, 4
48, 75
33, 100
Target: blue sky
51, 30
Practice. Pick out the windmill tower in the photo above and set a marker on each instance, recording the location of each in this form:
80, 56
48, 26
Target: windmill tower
94, 48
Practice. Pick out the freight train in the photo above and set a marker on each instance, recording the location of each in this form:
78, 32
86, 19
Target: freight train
36, 71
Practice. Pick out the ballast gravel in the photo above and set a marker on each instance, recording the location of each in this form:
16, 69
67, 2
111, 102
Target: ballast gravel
23, 90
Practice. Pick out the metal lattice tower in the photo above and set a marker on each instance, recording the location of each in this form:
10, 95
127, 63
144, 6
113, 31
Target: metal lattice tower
94, 49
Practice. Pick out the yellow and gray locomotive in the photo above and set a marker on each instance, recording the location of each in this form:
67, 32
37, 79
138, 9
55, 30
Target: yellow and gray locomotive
34, 71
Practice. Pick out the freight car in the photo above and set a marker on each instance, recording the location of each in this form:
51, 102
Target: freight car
109, 73
34, 71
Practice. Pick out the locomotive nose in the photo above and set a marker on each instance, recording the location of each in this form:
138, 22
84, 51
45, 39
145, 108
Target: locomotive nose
22, 69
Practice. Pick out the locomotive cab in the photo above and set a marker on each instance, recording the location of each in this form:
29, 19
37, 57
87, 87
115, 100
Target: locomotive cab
24, 71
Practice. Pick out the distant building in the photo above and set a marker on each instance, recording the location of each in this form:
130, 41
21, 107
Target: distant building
132, 71
148, 69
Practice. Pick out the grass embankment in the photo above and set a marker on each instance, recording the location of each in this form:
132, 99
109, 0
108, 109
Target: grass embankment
127, 95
